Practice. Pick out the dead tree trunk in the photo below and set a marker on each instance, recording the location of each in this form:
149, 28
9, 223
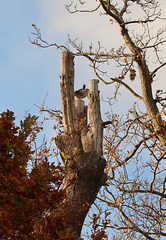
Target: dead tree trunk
80, 146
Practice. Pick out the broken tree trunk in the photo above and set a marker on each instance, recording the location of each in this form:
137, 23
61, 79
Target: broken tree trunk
80, 146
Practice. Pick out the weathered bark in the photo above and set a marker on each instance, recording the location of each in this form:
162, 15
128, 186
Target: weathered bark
146, 81
150, 103
145, 76
80, 146
67, 89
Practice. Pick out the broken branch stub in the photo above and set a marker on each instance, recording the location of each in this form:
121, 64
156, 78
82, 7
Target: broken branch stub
81, 112
67, 90
95, 116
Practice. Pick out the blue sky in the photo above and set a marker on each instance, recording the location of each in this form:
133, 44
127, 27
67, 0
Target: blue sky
28, 73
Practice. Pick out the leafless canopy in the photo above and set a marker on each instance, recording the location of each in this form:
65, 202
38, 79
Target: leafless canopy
135, 145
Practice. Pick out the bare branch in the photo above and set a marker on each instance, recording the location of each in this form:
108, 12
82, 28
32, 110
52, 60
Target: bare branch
158, 68
76, 10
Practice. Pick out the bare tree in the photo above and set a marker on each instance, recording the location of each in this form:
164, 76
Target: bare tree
134, 146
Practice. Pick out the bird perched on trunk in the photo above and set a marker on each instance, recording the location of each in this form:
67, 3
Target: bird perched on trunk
81, 93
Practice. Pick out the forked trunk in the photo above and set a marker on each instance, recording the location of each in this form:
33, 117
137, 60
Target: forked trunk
80, 146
